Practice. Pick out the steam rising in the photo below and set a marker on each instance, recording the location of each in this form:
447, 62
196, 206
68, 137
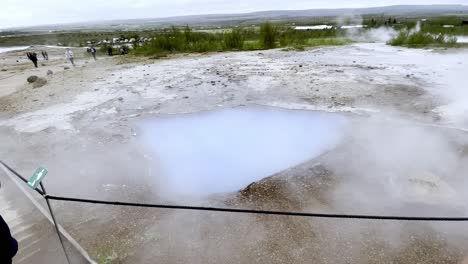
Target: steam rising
398, 164
225, 150
383, 165
381, 34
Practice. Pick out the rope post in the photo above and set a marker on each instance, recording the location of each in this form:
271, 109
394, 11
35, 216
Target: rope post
55, 223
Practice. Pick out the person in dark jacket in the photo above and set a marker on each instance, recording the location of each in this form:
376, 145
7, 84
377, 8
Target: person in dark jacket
109, 51
33, 57
8, 245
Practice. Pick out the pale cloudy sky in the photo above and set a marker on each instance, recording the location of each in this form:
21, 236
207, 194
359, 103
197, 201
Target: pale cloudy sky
15, 13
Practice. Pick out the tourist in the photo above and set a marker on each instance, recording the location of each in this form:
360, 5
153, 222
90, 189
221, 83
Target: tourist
45, 55
69, 55
93, 52
33, 57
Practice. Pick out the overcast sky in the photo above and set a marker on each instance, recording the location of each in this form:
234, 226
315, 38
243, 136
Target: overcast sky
16, 13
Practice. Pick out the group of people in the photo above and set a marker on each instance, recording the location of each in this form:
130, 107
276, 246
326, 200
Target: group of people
45, 55
32, 56
93, 51
123, 50
70, 56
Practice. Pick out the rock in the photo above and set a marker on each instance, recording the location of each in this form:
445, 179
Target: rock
120, 99
39, 83
186, 97
300, 66
66, 68
32, 78
50, 72
4, 69
43, 64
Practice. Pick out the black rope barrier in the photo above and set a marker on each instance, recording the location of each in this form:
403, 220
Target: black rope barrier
19, 176
248, 211
253, 211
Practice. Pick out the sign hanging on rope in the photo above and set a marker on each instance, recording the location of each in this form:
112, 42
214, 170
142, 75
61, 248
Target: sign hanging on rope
37, 177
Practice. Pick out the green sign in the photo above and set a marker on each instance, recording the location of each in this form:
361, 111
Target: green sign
37, 177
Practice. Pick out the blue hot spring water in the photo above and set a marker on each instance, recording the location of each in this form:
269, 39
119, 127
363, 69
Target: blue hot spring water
225, 150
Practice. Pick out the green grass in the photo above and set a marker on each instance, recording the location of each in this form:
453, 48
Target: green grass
76, 38
422, 39
267, 36
188, 40
233, 40
432, 32
328, 42
433, 25
314, 42
105, 254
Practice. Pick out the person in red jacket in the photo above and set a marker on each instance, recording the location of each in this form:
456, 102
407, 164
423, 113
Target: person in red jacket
8, 245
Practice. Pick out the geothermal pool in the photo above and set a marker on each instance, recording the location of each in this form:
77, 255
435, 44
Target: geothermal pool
225, 150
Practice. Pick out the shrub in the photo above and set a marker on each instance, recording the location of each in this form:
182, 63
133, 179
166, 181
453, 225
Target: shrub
422, 39
233, 40
400, 39
268, 34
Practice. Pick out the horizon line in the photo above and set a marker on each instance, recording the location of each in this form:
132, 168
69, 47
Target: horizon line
215, 14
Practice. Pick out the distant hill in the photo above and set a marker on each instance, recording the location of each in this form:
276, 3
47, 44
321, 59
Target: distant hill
397, 10
222, 20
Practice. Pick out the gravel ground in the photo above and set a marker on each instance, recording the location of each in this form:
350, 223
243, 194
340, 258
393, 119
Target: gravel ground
81, 126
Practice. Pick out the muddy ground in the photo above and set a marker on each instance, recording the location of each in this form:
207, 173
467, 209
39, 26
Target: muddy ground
406, 103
